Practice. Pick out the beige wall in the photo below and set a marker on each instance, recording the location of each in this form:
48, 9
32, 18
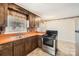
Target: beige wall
65, 28
66, 35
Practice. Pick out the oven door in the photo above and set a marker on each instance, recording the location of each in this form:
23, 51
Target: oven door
49, 42
49, 46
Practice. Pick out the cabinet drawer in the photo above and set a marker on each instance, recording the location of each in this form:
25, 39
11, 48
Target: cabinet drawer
7, 45
17, 42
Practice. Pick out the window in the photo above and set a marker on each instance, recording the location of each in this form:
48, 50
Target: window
16, 22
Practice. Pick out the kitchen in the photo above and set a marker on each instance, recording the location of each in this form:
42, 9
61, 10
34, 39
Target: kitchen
25, 33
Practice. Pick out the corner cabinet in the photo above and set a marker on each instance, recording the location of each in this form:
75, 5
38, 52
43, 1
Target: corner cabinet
3, 14
30, 44
34, 42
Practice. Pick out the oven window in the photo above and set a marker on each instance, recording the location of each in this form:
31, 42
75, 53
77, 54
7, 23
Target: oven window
48, 42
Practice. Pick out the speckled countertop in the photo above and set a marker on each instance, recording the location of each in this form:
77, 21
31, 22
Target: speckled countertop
5, 38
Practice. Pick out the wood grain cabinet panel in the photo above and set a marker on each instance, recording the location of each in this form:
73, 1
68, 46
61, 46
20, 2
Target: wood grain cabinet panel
40, 41
32, 22
34, 42
17, 8
3, 13
6, 52
28, 45
18, 48
6, 49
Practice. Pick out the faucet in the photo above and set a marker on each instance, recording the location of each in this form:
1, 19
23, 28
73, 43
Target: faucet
19, 35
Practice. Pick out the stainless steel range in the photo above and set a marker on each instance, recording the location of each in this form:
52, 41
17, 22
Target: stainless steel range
49, 42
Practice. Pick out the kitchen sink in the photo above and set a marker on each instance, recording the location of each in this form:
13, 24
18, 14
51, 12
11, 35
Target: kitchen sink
18, 37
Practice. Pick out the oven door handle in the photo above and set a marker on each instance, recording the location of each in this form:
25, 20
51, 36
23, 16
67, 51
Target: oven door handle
54, 42
42, 41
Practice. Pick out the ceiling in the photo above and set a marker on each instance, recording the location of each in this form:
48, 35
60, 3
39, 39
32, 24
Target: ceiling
52, 10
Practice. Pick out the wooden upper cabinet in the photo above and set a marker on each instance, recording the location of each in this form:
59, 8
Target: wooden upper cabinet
3, 13
32, 22
31, 19
5, 7
17, 8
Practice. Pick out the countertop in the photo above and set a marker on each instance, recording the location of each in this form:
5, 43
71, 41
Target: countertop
5, 38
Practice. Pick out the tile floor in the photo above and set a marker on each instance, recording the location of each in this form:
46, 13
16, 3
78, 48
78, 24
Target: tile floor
38, 52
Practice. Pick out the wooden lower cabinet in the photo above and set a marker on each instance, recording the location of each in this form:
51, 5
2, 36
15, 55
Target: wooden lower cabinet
6, 49
34, 42
40, 41
18, 49
6, 52
28, 45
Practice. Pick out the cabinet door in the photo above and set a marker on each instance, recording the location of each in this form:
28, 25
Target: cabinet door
19, 48
32, 22
34, 42
6, 50
40, 41
3, 14
28, 45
